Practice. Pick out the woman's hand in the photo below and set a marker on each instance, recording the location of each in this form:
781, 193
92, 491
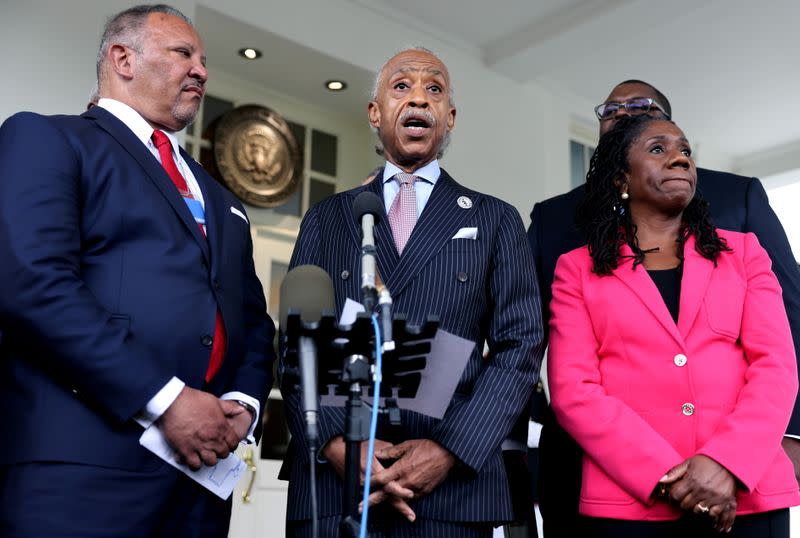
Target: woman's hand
702, 485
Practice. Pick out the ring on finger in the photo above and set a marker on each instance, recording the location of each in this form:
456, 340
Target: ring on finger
702, 508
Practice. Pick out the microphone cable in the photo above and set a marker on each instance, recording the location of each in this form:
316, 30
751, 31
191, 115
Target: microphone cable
373, 427
312, 467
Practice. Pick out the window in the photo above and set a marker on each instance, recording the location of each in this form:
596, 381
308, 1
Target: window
579, 157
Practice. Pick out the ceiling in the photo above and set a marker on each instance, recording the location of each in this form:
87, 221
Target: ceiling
286, 66
729, 67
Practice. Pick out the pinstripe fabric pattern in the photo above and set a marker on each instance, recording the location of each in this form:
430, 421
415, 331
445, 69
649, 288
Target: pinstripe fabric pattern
397, 528
482, 290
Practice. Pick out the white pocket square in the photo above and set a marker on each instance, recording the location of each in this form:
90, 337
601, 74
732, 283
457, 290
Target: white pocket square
466, 233
239, 214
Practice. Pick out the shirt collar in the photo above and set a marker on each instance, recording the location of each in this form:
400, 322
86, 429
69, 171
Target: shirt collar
430, 172
135, 122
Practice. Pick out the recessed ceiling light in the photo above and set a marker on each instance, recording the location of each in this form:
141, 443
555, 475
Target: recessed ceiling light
336, 85
250, 54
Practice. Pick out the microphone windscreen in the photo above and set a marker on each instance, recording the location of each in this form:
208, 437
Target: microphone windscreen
367, 203
306, 289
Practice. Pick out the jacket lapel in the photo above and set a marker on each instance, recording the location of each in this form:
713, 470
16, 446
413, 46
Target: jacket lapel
641, 285
439, 221
386, 252
214, 208
153, 169
696, 277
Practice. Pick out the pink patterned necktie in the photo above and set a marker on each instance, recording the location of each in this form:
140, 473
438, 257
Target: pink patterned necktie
403, 213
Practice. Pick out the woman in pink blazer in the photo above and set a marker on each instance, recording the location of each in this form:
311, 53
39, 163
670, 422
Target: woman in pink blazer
671, 361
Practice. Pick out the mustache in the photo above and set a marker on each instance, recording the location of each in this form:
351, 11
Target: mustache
194, 84
418, 114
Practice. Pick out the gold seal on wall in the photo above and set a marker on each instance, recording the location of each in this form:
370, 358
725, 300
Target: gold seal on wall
257, 155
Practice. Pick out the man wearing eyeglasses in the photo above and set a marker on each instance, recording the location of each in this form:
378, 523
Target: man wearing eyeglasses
737, 203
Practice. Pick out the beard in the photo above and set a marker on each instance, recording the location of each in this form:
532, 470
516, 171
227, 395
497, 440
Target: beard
184, 114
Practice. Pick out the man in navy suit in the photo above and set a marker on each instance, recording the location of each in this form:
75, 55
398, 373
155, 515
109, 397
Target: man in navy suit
737, 203
466, 261
128, 299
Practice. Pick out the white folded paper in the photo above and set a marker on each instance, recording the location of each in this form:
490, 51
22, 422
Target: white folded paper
219, 479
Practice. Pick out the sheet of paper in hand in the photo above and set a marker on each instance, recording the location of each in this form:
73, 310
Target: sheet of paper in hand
219, 479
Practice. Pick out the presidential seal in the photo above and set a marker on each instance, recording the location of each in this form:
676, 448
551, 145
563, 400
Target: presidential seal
257, 155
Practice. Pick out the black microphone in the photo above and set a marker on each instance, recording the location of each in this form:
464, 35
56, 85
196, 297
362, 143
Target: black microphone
367, 209
307, 290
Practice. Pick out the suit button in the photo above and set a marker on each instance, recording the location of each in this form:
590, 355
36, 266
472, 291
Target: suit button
462, 276
345, 274
687, 409
206, 340
679, 359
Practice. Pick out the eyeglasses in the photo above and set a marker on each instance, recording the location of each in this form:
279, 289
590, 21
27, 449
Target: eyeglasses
634, 107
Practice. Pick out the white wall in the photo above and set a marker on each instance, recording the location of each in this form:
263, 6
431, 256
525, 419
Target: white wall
510, 140
503, 129
770, 162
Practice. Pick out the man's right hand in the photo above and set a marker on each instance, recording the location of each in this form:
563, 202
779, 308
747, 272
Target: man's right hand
334, 452
196, 427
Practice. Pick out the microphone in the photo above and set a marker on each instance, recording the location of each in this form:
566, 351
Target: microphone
385, 318
307, 289
367, 209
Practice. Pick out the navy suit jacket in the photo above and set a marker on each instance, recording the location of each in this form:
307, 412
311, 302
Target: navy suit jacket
736, 203
107, 288
481, 290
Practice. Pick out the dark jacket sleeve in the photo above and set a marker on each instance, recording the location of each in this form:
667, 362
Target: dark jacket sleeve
42, 293
515, 341
762, 221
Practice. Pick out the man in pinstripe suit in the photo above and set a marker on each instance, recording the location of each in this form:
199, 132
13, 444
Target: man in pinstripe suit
466, 261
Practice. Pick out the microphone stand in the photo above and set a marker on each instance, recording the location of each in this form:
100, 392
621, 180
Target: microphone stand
356, 372
345, 366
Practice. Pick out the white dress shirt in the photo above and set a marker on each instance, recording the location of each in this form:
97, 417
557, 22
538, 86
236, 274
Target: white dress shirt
428, 175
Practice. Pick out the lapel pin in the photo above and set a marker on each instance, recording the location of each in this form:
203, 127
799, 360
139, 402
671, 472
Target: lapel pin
464, 202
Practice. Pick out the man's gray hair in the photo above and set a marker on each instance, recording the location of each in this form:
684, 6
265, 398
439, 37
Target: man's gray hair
94, 97
126, 28
376, 84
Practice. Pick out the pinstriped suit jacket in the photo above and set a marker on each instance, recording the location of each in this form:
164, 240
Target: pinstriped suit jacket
498, 302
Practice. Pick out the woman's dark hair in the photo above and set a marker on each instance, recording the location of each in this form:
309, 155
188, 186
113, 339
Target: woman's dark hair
603, 218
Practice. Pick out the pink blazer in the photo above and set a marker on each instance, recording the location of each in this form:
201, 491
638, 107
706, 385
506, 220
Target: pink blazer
641, 395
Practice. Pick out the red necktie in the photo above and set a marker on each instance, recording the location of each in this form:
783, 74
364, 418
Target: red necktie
220, 341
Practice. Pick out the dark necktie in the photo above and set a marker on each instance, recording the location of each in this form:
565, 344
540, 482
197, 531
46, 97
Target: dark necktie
165, 152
